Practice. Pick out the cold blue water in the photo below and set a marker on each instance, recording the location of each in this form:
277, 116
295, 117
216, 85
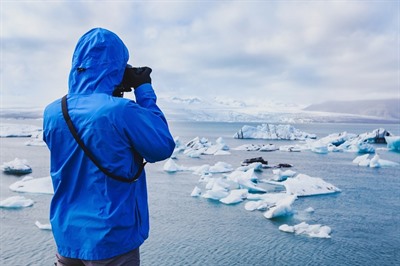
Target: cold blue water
364, 217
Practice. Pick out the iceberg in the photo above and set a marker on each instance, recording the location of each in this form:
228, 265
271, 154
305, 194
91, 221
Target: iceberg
29, 184
196, 192
36, 140
268, 147
314, 230
280, 175
16, 167
282, 208
374, 162
350, 142
263, 202
248, 147
393, 143
199, 146
220, 167
270, 131
304, 185
291, 148
43, 226
216, 193
257, 166
235, 196
245, 180
16, 130
376, 136
16, 202
171, 167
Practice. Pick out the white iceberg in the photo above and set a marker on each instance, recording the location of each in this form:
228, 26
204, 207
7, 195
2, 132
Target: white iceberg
376, 136
36, 140
374, 162
199, 146
215, 194
16, 167
393, 143
280, 175
171, 167
309, 210
291, 148
16, 202
314, 230
282, 208
16, 130
29, 184
270, 131
262, 202
196, 192
256, 166
245, 180
235, 196
304, 185
248, 147
268, 147
43, 226
221, 167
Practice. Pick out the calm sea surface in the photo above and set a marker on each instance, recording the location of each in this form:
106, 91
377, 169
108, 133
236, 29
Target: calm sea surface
364, 217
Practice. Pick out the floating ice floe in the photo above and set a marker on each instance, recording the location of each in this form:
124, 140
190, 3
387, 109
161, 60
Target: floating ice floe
262, 202
235, 196
201, 146
349, 142
374, 162
313, 230
16, 130
280, 175
393, 143
171, 167
245, 180
282, 208
376, 136
218, 167
291, 148
268, 147
36, 140
29, 184
196, 192
247, 147
16, 167
43, 226
309, 210
304, 185
270, 131
16, 202
257, 166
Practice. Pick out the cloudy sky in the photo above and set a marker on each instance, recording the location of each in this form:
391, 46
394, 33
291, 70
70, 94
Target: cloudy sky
286, 51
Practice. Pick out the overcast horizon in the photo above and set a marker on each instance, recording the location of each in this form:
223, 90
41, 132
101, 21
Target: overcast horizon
300, 52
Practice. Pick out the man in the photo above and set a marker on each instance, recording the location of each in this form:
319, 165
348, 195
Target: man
98, 219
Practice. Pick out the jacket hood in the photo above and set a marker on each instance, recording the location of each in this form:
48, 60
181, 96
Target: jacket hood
98, 63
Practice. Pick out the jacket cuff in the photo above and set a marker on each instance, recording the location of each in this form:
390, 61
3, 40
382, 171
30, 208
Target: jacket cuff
144, 91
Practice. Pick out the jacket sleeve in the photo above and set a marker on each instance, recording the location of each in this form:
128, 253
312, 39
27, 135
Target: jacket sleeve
146, 126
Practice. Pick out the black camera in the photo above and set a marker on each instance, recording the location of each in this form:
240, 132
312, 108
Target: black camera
125, 86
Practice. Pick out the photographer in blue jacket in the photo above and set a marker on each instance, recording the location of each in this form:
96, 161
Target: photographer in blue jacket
98, 144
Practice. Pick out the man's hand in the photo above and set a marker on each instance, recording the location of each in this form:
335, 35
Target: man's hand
134, 77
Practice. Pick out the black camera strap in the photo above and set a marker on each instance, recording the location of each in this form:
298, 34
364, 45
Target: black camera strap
89, 154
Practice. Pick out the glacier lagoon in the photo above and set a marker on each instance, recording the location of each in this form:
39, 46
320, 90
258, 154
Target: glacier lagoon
185, 230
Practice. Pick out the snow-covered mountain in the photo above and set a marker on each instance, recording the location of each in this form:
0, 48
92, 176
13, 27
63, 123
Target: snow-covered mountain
385, 109
226, 110
230, 110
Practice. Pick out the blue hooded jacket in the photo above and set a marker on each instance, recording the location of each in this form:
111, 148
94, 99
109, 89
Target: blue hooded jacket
93, 216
